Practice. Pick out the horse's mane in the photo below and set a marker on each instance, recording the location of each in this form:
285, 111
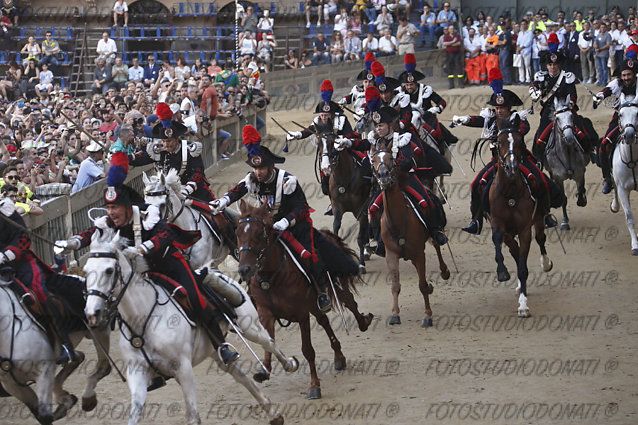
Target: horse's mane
105, 239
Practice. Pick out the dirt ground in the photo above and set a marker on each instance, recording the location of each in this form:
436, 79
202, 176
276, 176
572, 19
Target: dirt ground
572, 362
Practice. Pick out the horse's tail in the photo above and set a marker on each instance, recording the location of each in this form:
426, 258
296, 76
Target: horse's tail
347, 281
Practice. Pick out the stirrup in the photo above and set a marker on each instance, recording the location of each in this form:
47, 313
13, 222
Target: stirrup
474, 227
66, 356
607, 186
324, 303
329, 210
550, 221
226, 355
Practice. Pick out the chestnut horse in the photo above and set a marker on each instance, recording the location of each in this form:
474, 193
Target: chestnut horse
402, 232
513, 211
280, 290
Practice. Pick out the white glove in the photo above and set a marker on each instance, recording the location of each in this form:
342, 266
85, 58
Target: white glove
281, 225
64, 247
131, 252
523, 114
325, 164
342, 143
342, 101
358, 115
534, 93
460, 119
435, 110
218, 205
292, 135
598, 98
486, 113
187, 189
3, 259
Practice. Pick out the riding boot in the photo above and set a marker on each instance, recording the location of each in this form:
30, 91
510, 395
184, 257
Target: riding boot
55, 312
476, 224
318, 271
605, 165
210, 319
325, 184
437, 221
375, 227
538, 150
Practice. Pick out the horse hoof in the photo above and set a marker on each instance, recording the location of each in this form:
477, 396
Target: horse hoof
523, 313
366, 254
503, 276
394, 320
314, 394
279, 420
365, 323
549, 267
564, 226
340, 364
89, 403
261, 375
634, 251
293, 364
45, 420
362, 269
430, 288
582, 202
445, 274
613, 208
426, 323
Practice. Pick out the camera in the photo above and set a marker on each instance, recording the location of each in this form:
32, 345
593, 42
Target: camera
138, 121
71, 130
60, 152
205, 119
42, 166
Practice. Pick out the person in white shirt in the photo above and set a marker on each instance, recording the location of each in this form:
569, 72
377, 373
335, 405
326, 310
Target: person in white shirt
370, 44
46, 80
341, 21
188, 104
524, 43
106, 49
247, 44
135, 72
585, 45
622, 41
540, 44
120, 12
387, 44
472, 57
351, 47
384, 20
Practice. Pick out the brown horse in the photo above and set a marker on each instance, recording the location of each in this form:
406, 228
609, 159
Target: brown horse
349, 191
280, 290
513, 211
402, 232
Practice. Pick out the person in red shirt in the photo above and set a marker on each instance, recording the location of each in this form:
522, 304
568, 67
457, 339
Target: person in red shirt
209, 98
454, 57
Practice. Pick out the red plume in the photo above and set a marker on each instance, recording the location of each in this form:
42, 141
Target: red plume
377, 69
163, 111
409, 58
369, 56
326, 85
371, 93
494, 74
553, 38
251, 139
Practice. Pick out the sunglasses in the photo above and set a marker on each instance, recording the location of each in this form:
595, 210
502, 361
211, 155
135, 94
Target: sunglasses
12, 177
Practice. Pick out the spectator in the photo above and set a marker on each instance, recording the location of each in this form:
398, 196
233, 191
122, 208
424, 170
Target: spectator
125, 140
108, 123
247, 44
445, 18
336, 48
572, 52
209, 98
587, 61
102, 80
119, 73
384, 21
320, 53
539, 46
359, 6
106, 49
265, 49
213, 68
12, 82
370, 9
387, 43
187, 106
29, 77
304, 60
31, 49
405, 35
622, 40
120, 13
396, 7
182, 72
355, 23
228, 76
428, 24
317, 5
370, 44
46, 81
90, 171
505, 48
602, 44
351, 47
290, 61
6, 25
50, 50
524, 43
135, 72
10, 12
452, 46
151, 71
265, 25
249, 20
341, 21
472, 57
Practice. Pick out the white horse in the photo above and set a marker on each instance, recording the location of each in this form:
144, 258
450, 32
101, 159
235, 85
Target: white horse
164, 192
624, 162
169, 347
26, 356
565, 158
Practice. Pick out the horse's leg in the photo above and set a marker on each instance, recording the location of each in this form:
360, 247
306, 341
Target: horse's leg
392, 261
525, 238
138, 376
564, 225
347, 298
501, 271
581, 200
362, 239
267, 320
539, 227
102, 368
340, 359
314, 392
336, 221
623, 195
445, 272
425, 288
186, 379
45, 382
65, 400
26, 395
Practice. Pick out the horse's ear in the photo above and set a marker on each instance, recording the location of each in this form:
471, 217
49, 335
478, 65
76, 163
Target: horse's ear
145, 179
162, 179
242, 206
516, 121
116, 237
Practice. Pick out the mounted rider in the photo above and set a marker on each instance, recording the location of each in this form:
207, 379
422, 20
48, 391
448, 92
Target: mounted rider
34, 282
356, 97
291, 213
624, 83
429, 206
551, 83
503, 101
159, 243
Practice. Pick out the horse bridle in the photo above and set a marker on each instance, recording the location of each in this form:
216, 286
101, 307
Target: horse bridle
501, 158
390, 170
631, 124
111, 302
262, 253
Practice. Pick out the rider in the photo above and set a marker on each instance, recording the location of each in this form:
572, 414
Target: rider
502, 100
625, 83
32, 277
158, 244
400, 143
285, 196
356, 97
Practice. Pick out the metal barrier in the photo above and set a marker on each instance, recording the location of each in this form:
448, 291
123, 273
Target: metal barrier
66, 215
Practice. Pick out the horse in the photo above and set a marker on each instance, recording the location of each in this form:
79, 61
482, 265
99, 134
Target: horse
281, 291
27, 356
349, 191
565, 158
624, 162
402, 232
513, 211
168, 348
163, 191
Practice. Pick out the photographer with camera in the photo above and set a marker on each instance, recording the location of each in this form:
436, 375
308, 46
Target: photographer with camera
585, 44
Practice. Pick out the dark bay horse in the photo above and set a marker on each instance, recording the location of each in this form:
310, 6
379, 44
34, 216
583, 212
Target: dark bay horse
280, 290
513, 211
402, 232
349, 191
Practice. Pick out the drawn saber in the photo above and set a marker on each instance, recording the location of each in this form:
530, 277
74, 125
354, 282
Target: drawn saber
454, 158
285, 149
442, 194
239, 334
101, 347
334, 291
452, 255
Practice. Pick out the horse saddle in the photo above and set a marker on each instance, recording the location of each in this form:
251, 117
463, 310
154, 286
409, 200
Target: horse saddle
223, 226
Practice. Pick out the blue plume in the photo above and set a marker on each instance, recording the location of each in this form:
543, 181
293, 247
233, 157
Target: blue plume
374, 104
253, 149
630, 54
326, 95
116, 175
497, 85
552, 46
379, 79
166, 123
367, 64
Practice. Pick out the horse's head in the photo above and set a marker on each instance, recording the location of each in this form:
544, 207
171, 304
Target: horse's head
511, 147
104, 270
564, 123
627, 117
155, 190
254, 237
383, 164
328, 152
